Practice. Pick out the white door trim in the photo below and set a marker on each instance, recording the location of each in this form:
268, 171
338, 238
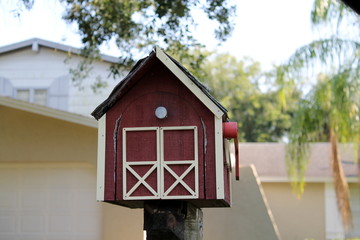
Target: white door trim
160, 165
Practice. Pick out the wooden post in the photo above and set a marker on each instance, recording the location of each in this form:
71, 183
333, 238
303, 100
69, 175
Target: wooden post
172, 220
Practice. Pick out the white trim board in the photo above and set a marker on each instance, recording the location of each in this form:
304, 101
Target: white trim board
100, 173
285, 179
159, 166
188, 83
219, 164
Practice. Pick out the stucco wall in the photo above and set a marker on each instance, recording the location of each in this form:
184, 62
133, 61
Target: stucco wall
31, 137
49, 201
121, 223
297, 218
249, 216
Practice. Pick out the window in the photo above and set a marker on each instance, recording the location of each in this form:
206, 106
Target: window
23, 95
40, 96
37, 96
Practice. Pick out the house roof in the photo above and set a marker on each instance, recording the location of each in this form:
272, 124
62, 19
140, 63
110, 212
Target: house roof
35, 43
48, 112
140, 68
270, 162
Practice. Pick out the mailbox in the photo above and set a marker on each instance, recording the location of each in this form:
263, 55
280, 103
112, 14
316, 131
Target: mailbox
161, 138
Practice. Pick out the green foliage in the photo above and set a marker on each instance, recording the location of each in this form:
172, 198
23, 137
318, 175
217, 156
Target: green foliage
333, 102
331, 12
327, 53
236, 84
310, 123
330, 110
137, 26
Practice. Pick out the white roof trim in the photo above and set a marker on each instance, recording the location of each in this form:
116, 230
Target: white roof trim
58, 46
188, 83
269, 179
48, 112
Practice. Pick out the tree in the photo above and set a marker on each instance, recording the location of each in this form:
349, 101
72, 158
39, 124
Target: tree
137, 26
330, 111
236, 85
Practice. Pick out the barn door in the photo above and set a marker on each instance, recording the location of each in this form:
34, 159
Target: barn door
179, 162
160, 163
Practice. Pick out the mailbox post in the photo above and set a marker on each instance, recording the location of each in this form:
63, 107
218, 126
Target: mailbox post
163, 146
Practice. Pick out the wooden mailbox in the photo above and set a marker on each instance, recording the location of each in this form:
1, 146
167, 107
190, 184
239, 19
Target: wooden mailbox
161, 138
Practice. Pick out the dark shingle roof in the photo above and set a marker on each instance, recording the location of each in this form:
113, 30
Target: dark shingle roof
140, 67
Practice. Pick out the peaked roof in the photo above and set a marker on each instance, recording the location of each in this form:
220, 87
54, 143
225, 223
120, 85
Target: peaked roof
34, 43
197, 88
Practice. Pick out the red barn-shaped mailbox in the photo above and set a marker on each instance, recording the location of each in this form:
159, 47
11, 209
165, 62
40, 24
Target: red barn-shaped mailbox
161, 138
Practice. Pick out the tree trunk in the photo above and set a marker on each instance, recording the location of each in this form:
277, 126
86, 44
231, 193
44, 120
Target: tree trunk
341, 186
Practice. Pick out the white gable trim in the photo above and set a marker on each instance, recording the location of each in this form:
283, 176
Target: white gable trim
100, 176
219, 163
48, 112
188, 83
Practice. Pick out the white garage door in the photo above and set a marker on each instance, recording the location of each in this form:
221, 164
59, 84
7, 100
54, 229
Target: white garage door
48, 201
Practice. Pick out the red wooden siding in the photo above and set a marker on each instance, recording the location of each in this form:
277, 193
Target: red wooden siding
159, 87
178, 145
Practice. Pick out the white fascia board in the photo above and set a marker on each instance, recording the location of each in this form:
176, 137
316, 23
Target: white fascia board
50, 44
188, 83
15, 46
219, 164
284, 179
48, 112
100, 176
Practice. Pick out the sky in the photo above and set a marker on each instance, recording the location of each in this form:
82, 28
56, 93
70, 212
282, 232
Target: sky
267, 31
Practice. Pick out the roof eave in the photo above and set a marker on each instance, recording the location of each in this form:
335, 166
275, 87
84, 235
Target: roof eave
48, 112
49, 44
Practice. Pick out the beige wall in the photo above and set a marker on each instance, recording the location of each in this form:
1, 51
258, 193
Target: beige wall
120, 223
31, 137
249, 216
297, 219
49, 201
48, 182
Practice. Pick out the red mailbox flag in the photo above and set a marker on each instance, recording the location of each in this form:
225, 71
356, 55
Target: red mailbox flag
230, 130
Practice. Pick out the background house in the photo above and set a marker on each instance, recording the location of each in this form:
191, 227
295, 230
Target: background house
48, 163
315, 213
48, 178
38, 71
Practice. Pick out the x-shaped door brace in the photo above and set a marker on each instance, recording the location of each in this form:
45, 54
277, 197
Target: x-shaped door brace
141, 180
179, 179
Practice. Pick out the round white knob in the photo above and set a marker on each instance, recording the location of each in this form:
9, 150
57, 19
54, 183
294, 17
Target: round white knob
161, 112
